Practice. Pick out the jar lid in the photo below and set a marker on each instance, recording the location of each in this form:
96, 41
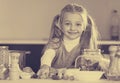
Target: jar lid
113, 48
92, 50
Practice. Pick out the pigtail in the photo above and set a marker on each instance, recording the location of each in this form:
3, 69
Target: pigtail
55, 30
94, 33
89, 36
55, 35
85, 38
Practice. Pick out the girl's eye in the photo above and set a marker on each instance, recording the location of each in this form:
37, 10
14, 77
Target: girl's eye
67, 24
78, 24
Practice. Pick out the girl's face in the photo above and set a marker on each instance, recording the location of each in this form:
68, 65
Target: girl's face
72, 25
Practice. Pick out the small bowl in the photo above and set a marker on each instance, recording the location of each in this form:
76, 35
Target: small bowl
84, 75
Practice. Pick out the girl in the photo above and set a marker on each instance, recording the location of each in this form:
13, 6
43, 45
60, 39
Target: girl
73, 30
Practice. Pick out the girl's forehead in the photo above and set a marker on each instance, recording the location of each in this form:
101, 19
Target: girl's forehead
72, 16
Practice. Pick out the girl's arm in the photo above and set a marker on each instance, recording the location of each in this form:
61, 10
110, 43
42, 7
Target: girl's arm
47, 57
46, 61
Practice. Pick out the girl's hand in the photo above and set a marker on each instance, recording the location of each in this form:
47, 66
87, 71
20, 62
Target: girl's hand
43, 72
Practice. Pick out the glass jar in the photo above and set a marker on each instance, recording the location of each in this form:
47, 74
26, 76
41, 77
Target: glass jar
4, 55
114, 67
89, 60
14, 70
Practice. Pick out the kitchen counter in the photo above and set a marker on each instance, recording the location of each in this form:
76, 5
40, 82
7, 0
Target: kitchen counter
44, 41
55, 81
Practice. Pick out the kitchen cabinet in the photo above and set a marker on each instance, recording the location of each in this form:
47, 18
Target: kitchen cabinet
31, 59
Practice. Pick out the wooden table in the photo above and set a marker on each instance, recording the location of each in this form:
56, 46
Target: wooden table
55, 81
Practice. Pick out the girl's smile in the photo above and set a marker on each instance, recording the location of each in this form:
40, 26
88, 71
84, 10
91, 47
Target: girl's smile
72, 25
73, 32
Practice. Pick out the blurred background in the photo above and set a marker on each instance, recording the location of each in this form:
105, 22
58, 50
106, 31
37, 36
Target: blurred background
32, 19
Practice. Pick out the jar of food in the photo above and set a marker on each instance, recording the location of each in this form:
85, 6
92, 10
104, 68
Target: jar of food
89, 60
114, 66
4, 55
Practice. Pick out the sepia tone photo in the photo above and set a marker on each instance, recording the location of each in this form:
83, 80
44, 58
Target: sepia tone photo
59, 41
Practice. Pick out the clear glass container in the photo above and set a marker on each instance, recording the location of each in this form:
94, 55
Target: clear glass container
14, 70
114, 66
4, 55
89, 60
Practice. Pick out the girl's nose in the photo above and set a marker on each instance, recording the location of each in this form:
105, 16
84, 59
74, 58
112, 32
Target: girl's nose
72, 27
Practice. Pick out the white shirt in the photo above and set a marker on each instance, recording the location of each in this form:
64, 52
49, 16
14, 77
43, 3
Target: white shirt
50, 53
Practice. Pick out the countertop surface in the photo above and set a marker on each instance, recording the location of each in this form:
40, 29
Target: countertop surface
44, 41
55, 81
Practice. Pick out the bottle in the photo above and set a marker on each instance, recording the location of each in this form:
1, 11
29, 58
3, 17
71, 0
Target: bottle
115, 21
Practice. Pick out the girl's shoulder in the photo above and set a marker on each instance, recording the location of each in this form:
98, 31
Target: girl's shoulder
54, 43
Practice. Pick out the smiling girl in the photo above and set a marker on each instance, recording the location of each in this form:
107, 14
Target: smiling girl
73, 30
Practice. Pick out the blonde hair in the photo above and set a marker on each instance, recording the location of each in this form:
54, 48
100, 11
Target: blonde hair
89, 36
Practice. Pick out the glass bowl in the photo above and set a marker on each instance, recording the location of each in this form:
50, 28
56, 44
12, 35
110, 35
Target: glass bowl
84, 75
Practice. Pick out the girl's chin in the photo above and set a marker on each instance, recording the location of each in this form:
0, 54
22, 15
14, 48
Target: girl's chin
72, 38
